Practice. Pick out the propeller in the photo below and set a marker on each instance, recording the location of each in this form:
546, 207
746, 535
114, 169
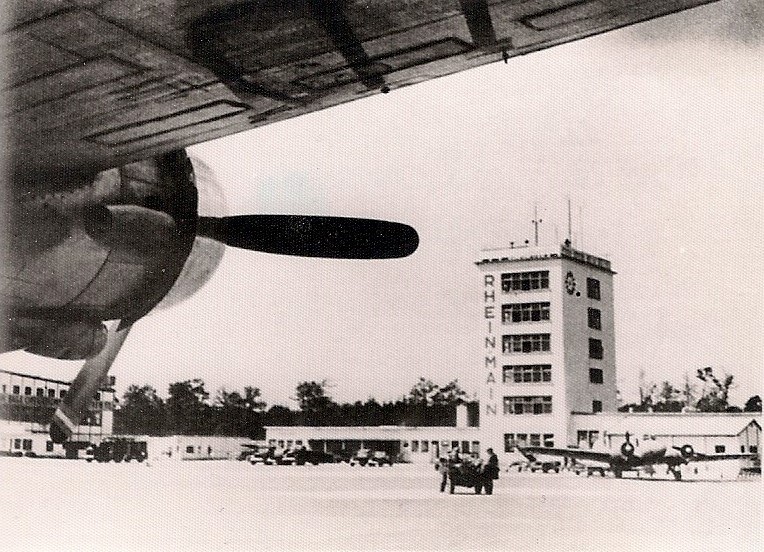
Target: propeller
686, 451
313, 236
627, 449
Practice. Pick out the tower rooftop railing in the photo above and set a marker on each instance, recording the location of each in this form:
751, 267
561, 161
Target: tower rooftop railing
531, 253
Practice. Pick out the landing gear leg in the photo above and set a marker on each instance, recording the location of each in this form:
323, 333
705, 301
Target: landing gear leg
82, 390
676, 472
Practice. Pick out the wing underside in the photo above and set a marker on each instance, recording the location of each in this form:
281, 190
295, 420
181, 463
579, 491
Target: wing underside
98, 84
574, 453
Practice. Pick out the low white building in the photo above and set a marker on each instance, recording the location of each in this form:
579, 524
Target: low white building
708, 433
406, 443
193, 447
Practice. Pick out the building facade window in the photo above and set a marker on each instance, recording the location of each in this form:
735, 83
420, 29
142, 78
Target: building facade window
16, 390
512, 440
28, 391
587, 438
525, 281
596, 375
596, 406
51, 393
414, 446
593, 288
40, 392
526, 343
594, 319
719, 449
595, 349
532, 373
534, 404
525, 312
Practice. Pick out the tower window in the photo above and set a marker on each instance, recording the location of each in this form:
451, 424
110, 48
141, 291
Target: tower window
596, 376
524, 312
595, 319
533, 373
528, 405
596, 406
526, 343
595, 349
525, 281
593, 288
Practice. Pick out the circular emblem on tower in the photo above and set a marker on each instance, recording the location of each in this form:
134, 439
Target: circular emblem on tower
570, 283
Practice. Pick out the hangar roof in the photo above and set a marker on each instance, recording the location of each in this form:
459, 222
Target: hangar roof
690, 423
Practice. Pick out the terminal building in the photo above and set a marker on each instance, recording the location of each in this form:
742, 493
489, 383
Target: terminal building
548, 347
27, 404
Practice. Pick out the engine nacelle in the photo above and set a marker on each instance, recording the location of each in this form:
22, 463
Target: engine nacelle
108, 248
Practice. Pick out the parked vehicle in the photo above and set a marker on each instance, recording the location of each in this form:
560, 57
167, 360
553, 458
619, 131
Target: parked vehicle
315, 457
545, 466
117, 449
361, 457
380, 458
261, 455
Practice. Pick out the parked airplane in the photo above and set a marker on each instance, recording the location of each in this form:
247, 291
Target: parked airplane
101, 98
630, 457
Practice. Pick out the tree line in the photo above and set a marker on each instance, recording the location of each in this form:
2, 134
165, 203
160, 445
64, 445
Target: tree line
711, 395
189, 410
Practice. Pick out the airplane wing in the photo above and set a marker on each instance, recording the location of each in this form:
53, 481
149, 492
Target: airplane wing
575, 453
700, 457
92, 85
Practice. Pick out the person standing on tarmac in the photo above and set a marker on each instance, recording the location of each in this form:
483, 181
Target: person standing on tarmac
442, 467
490, 471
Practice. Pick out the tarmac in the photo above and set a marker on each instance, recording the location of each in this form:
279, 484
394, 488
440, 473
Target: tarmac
72, 505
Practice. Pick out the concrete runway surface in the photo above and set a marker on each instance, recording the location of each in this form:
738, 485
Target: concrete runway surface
70, 505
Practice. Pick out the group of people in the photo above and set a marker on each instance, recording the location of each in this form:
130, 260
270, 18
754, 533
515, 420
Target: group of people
470, 467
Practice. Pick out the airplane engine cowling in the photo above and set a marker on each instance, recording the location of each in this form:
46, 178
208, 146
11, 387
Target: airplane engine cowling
627, 449
69, 341
687, 451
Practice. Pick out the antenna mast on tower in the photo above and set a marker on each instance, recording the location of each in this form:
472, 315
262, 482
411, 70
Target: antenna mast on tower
536, 221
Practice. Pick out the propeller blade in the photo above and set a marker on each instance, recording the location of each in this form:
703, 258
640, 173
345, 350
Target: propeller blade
313, 236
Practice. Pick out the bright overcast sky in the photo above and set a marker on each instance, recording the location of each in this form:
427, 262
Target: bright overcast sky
656, 134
